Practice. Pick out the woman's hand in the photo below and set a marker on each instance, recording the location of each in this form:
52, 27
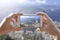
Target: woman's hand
48, 25
6, 25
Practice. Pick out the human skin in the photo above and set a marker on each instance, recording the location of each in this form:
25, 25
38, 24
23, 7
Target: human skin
7, 27
49, 26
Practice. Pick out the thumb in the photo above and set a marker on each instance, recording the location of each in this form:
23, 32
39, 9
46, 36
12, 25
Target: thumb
45, 21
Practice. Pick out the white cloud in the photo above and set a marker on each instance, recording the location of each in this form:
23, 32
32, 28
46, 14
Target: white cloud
22, 1
37, 1
52, 9
6, 1
41, 1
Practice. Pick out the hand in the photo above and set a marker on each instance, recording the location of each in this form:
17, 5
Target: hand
48, 24
7, 27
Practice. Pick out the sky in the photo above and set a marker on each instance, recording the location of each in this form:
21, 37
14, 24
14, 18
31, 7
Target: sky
49, 2
8, 6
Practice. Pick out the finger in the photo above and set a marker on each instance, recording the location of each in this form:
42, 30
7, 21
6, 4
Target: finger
13, 20
45, 15
12, 15
16, 18
41, 13
15, 15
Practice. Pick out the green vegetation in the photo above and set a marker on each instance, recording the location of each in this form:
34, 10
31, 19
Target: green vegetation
5, 37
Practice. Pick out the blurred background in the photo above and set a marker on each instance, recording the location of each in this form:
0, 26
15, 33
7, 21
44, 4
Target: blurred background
51, 7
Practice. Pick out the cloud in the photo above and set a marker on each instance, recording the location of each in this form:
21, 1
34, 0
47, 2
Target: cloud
52, 9
22, 1
41, 1
37, 1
